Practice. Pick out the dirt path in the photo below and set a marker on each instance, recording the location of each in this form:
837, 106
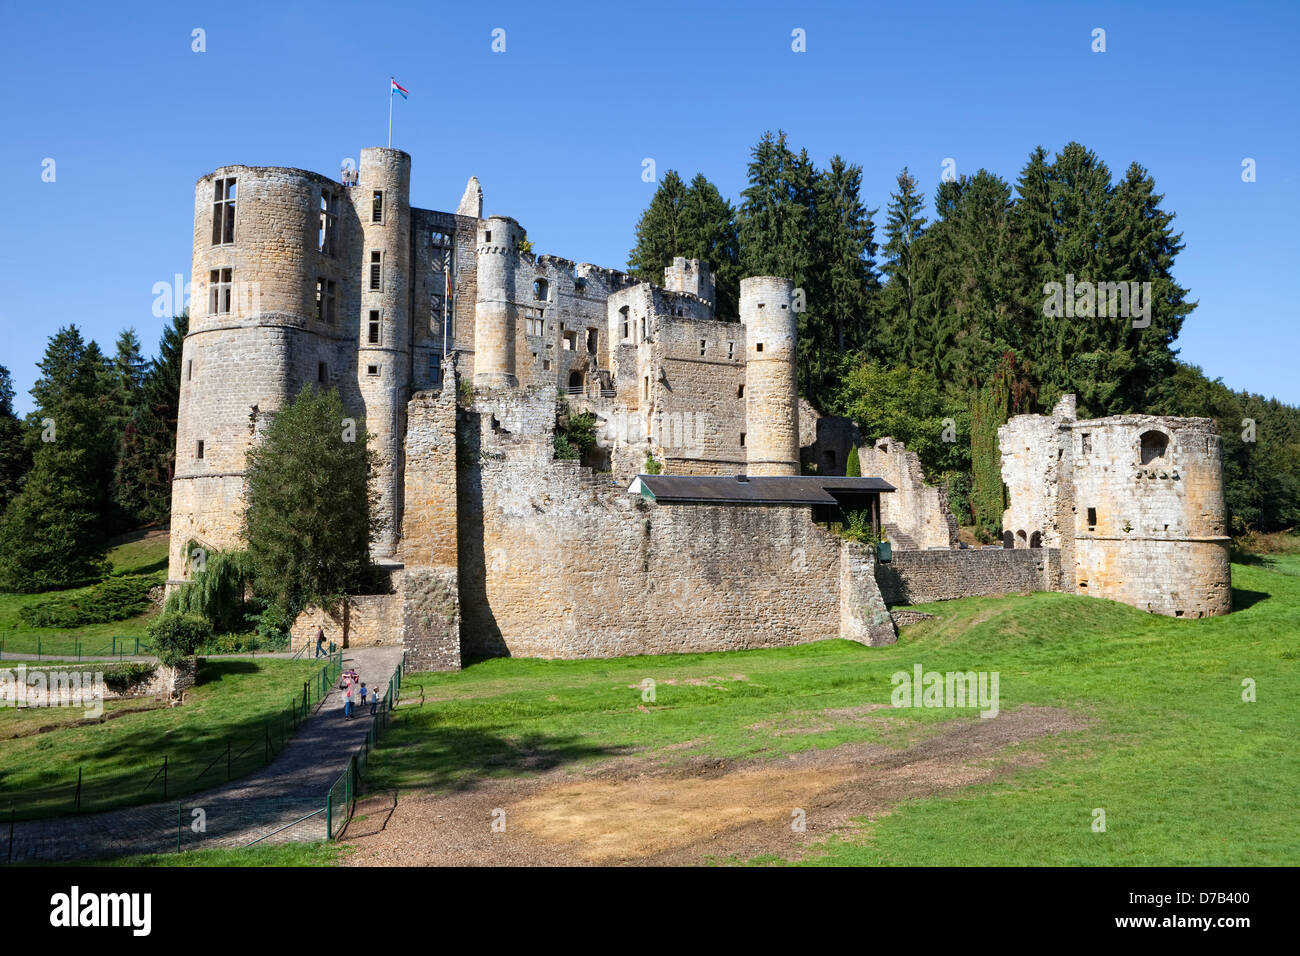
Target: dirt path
616, 814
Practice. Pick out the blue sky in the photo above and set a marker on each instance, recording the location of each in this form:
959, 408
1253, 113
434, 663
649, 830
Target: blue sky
557, 126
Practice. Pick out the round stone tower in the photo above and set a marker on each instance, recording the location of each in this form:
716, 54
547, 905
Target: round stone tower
383, 370
253, 338
771, 391
494, 309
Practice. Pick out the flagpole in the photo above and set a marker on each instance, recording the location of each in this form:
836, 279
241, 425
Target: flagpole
391, 81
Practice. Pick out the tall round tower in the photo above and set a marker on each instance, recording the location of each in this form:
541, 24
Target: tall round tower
253, 337
494, 309
771, 391
382, 202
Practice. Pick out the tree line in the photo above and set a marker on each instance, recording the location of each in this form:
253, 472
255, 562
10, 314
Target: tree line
996, 301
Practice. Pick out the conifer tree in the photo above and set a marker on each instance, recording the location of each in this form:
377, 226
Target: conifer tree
661, 233
15, 454
52, 533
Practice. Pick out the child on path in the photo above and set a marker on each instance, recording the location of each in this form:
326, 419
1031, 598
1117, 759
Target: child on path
347, 702
363, 693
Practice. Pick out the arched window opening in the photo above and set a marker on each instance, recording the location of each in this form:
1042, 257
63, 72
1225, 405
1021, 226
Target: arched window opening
1154, 445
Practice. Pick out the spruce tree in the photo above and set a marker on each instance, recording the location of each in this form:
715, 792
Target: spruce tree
661, 232
142, 481
52, 533
900, 297
709, 234
15, 454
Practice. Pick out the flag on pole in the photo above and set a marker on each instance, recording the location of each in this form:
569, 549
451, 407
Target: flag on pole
396, 88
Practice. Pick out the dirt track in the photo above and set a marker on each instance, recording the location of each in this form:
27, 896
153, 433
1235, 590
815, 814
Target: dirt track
623, 812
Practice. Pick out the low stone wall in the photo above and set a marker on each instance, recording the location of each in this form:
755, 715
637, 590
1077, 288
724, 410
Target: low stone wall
366, 620
917, 577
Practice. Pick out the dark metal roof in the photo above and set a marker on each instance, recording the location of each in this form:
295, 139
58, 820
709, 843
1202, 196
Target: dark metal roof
755, 489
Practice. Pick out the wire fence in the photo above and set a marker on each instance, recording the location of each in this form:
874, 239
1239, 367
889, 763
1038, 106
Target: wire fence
341, 798
206, 763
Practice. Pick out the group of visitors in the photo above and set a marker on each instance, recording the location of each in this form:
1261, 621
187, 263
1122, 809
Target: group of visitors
350, 683
353, 687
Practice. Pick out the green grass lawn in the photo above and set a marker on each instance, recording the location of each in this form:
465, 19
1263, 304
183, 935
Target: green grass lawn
281, 854
139, 553
1186, 772
234, 701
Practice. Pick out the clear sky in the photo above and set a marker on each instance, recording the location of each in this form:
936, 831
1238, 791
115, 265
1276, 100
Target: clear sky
557, 126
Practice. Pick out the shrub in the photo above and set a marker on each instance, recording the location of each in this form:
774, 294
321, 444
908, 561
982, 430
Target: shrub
177, 636
114, 599
853, 467
652, 467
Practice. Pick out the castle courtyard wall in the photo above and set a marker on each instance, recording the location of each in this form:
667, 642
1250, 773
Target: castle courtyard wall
559, 563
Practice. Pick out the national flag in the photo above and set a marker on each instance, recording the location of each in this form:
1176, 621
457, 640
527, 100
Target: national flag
395, 88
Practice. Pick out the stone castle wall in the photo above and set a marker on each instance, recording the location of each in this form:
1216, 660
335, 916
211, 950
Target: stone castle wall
548, 550
918, 577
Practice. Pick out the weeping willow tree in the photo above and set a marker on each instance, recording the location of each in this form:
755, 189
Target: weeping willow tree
216, 592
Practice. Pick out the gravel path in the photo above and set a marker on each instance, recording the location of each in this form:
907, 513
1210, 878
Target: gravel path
293, 785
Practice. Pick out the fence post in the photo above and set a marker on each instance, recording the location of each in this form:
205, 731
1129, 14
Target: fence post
78, 799
329, 814
267, 750
164, 776
178, 828
11, 835
227, 761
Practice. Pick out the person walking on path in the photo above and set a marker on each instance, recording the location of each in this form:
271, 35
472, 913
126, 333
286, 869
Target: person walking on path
347, 702
320, 641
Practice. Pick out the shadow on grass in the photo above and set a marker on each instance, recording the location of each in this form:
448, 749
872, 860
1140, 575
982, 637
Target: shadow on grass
1243, 599
460, 759
213, 672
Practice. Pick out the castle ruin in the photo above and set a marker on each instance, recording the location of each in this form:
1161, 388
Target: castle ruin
454, 344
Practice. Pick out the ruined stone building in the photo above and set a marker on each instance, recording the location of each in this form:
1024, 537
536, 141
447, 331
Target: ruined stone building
1133, 503
458, 349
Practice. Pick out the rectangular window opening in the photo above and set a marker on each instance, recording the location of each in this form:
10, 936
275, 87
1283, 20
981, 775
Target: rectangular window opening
1092, 518
223, 211
322, 372
325, 300
372, 328
377, 206
219, 291
198, 449
376, 271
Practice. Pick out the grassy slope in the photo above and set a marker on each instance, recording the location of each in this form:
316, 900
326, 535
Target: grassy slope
233, 701
1186, 772
140, 554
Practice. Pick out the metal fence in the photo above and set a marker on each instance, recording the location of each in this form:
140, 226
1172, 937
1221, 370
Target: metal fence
60, 647
173, 775
341, 798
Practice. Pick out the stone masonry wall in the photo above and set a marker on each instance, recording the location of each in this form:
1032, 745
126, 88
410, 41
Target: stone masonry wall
915, 516
556, 564
918, 577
